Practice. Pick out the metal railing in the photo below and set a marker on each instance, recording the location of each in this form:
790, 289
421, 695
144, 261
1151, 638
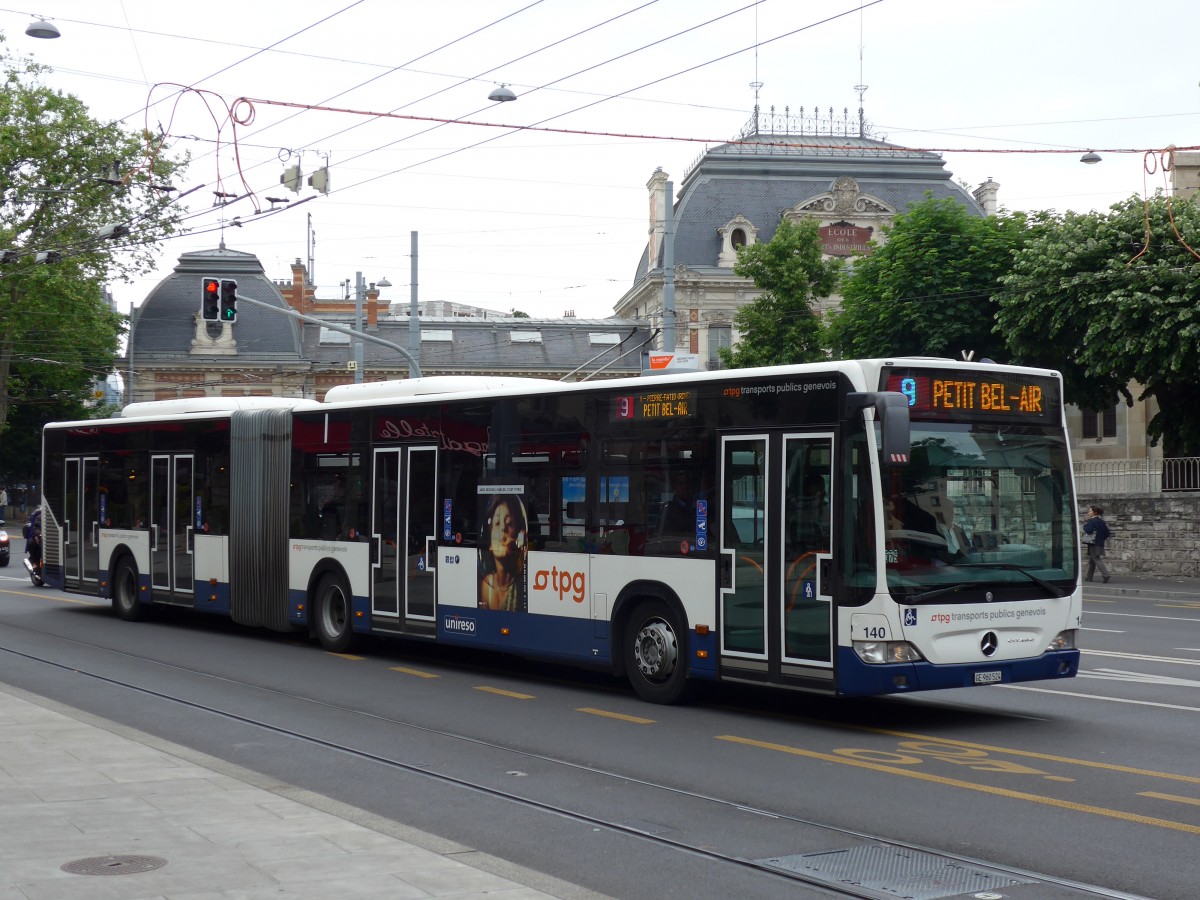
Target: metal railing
1107, 477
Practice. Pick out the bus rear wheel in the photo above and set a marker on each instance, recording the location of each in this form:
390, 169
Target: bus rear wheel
125, 601
334, 619
655, 650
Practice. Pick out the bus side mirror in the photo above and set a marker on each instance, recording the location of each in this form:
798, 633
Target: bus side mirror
891, 410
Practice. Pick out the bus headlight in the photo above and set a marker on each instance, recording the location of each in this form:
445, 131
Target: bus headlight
879, 652
1064, 640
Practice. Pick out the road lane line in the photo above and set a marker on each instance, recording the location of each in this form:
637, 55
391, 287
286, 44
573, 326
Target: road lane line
417, 672
1192, 619
968, 785
1142, 656
1021, 687
637, 720
504, 693
1174, 798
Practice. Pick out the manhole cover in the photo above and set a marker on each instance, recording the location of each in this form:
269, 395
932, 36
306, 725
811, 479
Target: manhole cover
113, 865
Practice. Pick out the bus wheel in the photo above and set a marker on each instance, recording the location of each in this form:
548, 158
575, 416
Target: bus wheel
655, 653
125, 602
334, 618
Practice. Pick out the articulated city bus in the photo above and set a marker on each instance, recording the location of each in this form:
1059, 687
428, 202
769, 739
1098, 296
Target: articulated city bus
848, 528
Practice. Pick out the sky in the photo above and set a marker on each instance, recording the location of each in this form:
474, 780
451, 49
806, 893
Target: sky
513, 215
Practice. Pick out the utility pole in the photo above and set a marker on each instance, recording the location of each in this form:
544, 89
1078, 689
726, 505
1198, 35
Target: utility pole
359, 289
414, 321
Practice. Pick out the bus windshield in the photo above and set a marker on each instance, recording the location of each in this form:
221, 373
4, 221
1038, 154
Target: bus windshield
981, 507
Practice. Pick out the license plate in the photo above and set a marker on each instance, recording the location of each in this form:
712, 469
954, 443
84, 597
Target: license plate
988, 677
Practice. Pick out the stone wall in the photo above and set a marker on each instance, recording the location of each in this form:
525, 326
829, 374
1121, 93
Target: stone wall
1151, 534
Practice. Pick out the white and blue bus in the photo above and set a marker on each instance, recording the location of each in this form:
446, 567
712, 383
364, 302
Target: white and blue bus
848, 528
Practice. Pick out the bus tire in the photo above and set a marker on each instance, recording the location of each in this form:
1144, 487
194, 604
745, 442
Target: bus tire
655, 649
334, 615
125, 600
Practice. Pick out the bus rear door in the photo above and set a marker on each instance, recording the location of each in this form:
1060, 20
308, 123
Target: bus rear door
172, 535
81, 530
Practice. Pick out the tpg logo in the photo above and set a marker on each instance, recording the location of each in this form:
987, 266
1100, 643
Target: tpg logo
561, 582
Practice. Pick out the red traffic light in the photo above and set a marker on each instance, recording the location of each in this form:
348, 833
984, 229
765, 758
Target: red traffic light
209, 299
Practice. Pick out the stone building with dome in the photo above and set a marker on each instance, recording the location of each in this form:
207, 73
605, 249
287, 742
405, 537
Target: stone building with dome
735, 194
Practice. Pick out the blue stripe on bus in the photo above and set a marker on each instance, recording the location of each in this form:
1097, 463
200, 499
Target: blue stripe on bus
858, 679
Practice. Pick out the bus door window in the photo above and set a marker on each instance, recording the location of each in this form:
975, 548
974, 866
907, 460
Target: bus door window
384, 527
807, 610
743, 545
423, 519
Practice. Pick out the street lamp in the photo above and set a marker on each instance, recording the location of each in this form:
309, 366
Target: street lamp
1090, 158
40, 28
502, 94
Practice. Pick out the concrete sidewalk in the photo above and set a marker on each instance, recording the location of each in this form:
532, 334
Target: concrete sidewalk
1146, 585
91, 810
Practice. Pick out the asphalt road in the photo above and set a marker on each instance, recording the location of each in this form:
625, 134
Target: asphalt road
1095, 779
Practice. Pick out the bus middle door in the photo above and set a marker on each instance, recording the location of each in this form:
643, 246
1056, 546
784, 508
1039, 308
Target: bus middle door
404, 520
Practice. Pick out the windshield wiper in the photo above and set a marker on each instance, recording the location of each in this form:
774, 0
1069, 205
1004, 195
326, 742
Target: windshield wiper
914, 599
1040, 582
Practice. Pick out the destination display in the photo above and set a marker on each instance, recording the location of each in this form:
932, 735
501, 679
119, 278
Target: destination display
977, 394
654, 406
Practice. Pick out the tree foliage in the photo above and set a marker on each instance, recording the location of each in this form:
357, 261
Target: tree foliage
780, 326
1110, 298
56, 165
932, 289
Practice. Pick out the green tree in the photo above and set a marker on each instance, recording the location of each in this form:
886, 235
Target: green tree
64, 178
1113, 298
932, 289
780, 326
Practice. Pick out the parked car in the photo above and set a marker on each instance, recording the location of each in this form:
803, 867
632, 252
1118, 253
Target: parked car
4, 551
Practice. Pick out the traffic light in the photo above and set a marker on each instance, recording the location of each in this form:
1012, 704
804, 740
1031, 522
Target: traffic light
228, 301
210, 304
292, 178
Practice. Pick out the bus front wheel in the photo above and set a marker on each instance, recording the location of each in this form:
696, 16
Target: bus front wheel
125, 601
334, 618
655, 649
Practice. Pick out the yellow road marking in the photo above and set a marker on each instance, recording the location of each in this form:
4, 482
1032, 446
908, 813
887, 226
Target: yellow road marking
1178, 605
1093, 600
637, 720
44, 596
504, 693
347, 656
1173, 797
416, 672
1111, 767
967, 785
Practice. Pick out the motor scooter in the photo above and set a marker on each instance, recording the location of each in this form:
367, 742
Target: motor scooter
33, 558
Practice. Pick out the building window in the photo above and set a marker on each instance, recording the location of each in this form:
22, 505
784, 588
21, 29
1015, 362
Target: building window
1100, 423
738, 238
718, 336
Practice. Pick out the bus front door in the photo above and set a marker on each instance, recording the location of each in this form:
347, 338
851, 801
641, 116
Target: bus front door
404, 520
81, 530
172, 535
776, 607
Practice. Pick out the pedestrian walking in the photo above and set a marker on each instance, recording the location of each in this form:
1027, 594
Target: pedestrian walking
1095, 533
